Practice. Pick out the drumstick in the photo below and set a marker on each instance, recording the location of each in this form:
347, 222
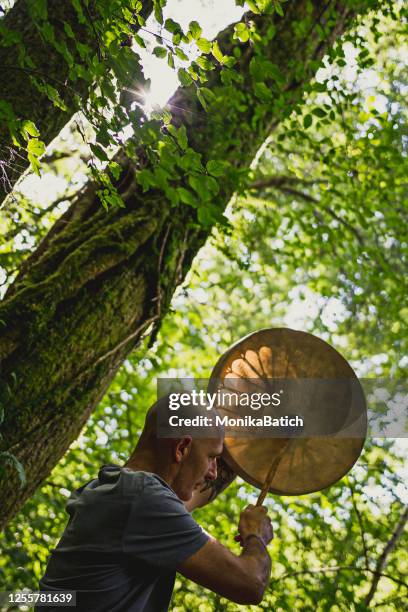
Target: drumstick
271, 474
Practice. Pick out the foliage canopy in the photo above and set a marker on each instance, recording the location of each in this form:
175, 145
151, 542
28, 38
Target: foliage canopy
317, 225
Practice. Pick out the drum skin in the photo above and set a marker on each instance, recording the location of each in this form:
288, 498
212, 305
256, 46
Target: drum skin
308, 463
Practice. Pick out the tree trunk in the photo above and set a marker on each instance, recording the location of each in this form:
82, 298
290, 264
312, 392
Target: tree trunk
26, 55
101, 280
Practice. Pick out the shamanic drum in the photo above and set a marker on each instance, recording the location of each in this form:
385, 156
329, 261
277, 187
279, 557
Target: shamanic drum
334, 413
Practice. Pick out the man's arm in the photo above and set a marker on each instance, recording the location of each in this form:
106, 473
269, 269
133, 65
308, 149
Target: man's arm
244, 578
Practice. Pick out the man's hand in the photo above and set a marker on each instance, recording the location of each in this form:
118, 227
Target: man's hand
242, 579
254, 520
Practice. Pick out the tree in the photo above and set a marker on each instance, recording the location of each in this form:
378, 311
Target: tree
313, 533
52, 55
345, 547
100, 280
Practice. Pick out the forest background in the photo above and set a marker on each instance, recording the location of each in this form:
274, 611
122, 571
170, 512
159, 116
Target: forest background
283, 154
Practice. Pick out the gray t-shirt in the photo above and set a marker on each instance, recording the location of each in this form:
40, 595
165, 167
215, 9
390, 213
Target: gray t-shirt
127, 533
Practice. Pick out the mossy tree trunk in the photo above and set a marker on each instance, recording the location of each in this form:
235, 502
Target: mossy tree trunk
100, 280
29, 63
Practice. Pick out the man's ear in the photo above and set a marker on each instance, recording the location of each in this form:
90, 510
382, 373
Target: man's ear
182, 448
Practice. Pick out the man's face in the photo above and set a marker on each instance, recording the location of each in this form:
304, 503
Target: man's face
200, 465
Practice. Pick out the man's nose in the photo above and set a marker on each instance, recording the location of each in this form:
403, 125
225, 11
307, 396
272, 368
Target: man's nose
212, 472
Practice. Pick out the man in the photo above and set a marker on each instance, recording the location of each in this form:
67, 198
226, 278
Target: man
131, 529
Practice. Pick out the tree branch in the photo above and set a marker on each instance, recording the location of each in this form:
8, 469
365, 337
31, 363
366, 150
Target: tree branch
283, 183
360, 522
282, 179
388, 548
19, 227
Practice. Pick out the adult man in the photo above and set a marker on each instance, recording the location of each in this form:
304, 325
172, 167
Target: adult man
131, 529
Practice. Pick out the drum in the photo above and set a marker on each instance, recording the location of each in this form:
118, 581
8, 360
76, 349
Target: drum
319, 383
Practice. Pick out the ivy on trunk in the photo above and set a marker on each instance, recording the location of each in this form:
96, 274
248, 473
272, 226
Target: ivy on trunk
51, 54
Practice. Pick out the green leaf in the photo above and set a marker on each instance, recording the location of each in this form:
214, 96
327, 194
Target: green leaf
261, 69
201, 99
212, 184
68, 30
102, 135
84, 50
190, 161
80, 13
229, 61
110, 197
187, 197
172, 26
158, 13
204, 216
205, 96
278, 8
319, 112
241, 32
161, 177
182, 137
176, 38
320, 87
170, 59
141, 21
180, 54
253, 6
215, 167
145, 178
204, 63
34, 163
48, 33
160, 52
52, 94
217, 53
115, 169
28, 128
256, 69
37, 9
194, 75
35, 147
195, 29
274, 72
307, 121
139, 40
166, 116
184, 78
202, 186
262, 92
204, 45
99, 152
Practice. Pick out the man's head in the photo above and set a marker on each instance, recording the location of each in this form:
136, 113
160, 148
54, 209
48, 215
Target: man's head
185, 462
196, 459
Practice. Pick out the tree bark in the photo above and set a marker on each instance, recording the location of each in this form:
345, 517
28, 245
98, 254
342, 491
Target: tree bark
46, 65
100, 280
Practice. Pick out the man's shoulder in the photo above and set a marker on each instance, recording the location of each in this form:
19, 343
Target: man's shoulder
131, 483
116, 481
159, 529
149, 486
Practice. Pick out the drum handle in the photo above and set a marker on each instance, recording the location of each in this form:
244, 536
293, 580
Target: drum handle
271, 474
